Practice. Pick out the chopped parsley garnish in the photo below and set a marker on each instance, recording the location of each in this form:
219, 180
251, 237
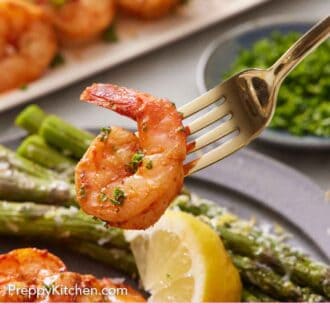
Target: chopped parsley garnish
58, 60
49, 287
118, 197
136, 161
110, 34
105, 131
303, 106
24, 87
149, 164
58, 3
103, 197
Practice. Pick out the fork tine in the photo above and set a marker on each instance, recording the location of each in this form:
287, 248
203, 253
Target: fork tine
218, 153
209, 118
212, 136
201, 102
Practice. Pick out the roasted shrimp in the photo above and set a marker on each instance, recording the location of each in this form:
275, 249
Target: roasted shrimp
20, 268
130, 180
148, 9
25, 264
31, 275
79, 21
27, 43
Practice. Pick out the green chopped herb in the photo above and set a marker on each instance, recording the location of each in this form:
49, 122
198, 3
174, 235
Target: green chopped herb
105, 131
103, 197
58, 3
303, 106
110, 34
24, 87
136, 161
58, 60
118, 197
49, 288
149, 164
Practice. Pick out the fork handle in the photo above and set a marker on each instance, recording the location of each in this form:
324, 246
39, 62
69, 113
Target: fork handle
302, 48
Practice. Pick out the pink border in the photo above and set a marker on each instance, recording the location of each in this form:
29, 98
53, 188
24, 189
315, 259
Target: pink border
169, 317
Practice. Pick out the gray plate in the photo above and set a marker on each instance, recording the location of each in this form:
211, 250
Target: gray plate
219, 56
250, 185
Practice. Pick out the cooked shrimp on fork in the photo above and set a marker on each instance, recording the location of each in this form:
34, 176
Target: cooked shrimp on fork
129, 180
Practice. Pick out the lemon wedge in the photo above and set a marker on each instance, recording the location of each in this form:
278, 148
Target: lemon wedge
181, 259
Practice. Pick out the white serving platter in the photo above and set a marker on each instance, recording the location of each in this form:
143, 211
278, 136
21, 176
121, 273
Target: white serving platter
135, 38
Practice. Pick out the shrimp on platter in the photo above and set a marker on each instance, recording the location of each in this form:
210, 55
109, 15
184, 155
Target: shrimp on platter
79, 21
25, 264
129, 180
27, 43
148, 9
32, 275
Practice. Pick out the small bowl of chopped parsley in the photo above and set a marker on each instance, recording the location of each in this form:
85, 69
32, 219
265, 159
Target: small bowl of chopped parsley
302, 117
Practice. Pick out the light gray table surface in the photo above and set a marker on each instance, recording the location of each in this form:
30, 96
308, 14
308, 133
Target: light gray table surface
171, 72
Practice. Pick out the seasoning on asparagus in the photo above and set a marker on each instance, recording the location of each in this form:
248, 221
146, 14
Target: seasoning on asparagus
267, 281
53, 222
119, 259
18, 186
9, 161
58, 223
254, 295
242, 238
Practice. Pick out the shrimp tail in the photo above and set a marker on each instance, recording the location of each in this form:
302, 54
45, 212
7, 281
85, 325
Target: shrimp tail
119, 99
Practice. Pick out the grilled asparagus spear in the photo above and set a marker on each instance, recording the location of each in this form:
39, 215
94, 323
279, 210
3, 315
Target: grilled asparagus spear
55, 131
54, 222
50, 222
244, 239
36, 150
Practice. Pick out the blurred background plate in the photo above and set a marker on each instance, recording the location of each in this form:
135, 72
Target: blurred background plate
221, 53
250, 185
135, 38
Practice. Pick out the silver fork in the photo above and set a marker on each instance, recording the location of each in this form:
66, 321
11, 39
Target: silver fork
248, 101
